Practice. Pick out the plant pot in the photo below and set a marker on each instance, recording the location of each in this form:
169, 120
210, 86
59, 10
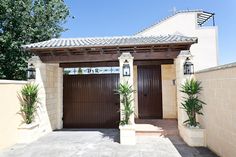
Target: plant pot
193, 136
28, 132
127, 135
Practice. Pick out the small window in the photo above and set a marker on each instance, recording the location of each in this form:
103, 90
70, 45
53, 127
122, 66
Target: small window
91, 70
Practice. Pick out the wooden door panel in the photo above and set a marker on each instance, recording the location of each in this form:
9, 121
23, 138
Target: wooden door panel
149, 91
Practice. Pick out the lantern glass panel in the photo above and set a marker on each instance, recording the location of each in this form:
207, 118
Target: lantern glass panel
126, 70
31, 73
188, 67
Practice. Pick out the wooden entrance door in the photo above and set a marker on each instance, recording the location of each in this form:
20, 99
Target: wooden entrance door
149, 92
89, 101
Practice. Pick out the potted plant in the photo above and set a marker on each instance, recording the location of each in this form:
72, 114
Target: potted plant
192, 133
28, 99
127, 128
125, 91
192, 104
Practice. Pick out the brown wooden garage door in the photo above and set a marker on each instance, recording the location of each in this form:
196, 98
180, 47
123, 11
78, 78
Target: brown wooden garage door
89, 101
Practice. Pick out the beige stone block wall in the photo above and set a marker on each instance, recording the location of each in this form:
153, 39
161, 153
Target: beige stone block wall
49, 113
219, 93
53, 84
169, 103
10, 120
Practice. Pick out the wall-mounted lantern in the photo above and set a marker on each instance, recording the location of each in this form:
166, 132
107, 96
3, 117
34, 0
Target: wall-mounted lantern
188, 67
126, 68
31, 73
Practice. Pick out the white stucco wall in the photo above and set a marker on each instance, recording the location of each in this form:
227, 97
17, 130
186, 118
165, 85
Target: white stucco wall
10, 119
205, 52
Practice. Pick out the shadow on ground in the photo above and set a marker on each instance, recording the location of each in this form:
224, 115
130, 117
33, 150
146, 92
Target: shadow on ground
112, 134
103, 143
187, 151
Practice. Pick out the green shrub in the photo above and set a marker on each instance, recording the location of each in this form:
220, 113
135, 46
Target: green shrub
29, 100
192, 104
125, 91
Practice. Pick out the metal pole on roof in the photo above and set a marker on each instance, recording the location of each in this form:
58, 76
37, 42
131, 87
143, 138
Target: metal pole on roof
213, 18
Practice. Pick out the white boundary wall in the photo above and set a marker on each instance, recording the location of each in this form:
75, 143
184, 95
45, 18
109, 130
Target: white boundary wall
10, 118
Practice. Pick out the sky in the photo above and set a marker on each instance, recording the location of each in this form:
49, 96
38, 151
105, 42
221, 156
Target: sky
98, 18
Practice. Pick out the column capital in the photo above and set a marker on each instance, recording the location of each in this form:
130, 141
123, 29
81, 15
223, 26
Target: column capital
185, 54
126, 55
35, 60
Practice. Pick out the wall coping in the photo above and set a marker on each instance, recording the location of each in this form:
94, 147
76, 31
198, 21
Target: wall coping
12, 82
220, 67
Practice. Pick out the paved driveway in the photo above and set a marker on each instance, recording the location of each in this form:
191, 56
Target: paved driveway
102, 143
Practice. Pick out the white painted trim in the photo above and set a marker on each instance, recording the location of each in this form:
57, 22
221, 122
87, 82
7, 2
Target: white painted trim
12, 82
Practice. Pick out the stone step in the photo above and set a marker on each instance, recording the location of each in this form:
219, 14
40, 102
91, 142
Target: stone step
156, 127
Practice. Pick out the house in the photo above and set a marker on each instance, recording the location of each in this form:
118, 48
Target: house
155, 56
191, 24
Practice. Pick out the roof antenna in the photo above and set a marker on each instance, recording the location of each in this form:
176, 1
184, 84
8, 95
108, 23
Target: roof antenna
173, 10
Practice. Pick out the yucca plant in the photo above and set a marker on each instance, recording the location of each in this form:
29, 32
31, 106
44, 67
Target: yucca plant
192, 104
125, 91
29, 100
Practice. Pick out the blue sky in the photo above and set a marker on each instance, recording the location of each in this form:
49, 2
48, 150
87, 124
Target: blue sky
126, 17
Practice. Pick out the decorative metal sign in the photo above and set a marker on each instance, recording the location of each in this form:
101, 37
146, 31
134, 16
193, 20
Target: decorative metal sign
91, 70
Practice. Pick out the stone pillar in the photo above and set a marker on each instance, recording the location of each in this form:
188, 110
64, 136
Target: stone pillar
193, 137
60, 99
49, 79
42, 117
127, 132
180, 79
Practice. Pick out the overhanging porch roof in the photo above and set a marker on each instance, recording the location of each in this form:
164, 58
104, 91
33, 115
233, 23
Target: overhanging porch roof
110, 48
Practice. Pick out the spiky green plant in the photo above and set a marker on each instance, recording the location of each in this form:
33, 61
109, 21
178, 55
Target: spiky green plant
125, 91
192, 104
29, 100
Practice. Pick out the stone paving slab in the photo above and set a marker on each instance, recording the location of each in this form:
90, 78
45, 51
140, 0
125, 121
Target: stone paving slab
97, 143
